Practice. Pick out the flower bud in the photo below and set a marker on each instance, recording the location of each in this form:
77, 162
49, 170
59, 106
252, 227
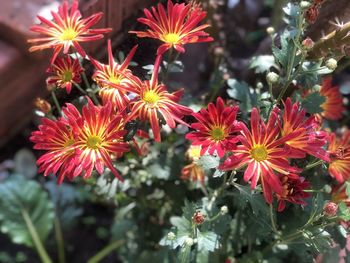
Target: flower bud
42, 105
272, 78
308, 43
305, 4
327, 188
270, 30
224, 210
198, 218
189, 242
171, 236
259, 85
330, 209
331, 64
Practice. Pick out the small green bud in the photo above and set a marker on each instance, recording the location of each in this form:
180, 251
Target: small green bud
171, 236
189, 242
331, 64
305, 4
272, 78
270, 30
224, 210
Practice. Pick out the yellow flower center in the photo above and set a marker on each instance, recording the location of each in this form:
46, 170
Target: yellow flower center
114, 79
67, 76
218, 133
94, 142
68, 143
172, 38
259, 153
151, 97
68, 34
194, 152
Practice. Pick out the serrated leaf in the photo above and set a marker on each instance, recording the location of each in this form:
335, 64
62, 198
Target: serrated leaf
207, 240
17, 195
208, 162
312, 103
243, 93
181, 223
262, 63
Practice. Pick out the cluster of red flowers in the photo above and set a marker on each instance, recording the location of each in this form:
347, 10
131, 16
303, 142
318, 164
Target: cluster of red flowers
78, 143
266, 149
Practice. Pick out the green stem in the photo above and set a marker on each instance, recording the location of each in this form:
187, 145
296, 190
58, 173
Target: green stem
290, 65
80, 89
59, 240
35, 237
237, 230
312, 165
273, 222
105, 251
55, 101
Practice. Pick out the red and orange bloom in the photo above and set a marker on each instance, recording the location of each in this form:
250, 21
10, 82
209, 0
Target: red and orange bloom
175, 27
293, 191
66, 73
309, 138
152, 99
57, 139
66, 30
114, 79
99, 136
333, 106
339, 149
193, 171
262, 151
216, 128
339, 194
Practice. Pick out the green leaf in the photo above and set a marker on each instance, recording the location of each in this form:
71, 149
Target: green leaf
344, 212
262, 63
25, 163
243, 93
208, 162
207, 240
312, 103
16, 195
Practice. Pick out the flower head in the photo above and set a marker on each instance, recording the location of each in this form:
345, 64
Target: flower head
307, 137
339, 194
293, 191
216, 128
57, 138
193, 171
66, 72
339, 149
114, 78
99, 136
262, 151
175, 27
66, 30
333, 106
152, 99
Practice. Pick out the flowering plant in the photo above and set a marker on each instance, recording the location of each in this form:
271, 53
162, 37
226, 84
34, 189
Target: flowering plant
244, 174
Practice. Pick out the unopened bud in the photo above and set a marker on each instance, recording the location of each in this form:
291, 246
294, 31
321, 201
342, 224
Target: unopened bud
224, 210
171, 236
50, 87
270, 30
272, 78
305, 4
327, 188
189, 242
330, 209
331, 64
259, 85
198, 218
42, 105
316, 88
308, 43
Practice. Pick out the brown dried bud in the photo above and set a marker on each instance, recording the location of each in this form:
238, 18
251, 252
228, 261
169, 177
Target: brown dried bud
42, 105
198, 218
330, 209
311, 14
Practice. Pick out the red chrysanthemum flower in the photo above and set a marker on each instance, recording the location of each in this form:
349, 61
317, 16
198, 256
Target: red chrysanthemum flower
339, 194
293, 191
262, 151
175, 27
339, 149
67, 71
57, 139
193, 171
114, 78
215, 129
66, 30
99, 136
333, 106
310, 139
152, 99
